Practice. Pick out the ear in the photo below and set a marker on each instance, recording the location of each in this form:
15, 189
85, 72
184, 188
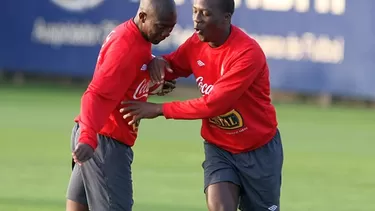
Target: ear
227, 16
142, 17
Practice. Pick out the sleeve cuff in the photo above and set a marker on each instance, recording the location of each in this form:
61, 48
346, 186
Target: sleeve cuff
167, 110
91, 142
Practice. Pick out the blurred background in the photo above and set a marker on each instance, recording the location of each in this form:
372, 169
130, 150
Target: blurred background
321, 55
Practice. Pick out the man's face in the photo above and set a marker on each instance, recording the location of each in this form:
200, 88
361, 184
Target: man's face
209, 20
158, 27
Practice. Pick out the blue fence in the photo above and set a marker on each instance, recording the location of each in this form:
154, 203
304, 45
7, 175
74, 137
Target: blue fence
312, 45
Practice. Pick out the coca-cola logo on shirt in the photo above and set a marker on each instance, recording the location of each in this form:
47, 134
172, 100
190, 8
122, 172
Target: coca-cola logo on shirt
142, 90
204, 88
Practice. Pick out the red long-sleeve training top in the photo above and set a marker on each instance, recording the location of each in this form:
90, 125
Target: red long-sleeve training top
120, 74
234, 81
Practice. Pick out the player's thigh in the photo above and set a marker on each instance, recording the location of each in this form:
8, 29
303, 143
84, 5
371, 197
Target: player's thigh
76, 190
222, 196
74, 140
260, 174
107, 177
221, 182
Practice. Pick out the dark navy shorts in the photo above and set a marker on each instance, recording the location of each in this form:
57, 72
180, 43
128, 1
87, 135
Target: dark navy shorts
104, 182
257, 173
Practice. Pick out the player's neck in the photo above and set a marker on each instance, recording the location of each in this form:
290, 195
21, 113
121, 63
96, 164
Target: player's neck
137, 23
221, 39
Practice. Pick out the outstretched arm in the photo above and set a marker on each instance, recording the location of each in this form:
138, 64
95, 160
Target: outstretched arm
226, 91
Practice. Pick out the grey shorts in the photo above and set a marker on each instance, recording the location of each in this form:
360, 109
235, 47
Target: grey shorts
257, 173
104, 182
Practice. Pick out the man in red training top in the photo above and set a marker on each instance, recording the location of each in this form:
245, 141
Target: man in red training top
102, 139
243, 149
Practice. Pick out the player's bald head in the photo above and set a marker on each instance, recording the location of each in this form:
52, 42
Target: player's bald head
161, 9
156, 19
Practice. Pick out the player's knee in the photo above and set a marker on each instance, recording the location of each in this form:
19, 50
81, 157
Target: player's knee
222, 196
75, 206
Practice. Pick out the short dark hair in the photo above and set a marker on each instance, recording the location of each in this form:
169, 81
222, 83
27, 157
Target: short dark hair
227, 6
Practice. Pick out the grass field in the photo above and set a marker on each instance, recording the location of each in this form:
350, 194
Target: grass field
329, 156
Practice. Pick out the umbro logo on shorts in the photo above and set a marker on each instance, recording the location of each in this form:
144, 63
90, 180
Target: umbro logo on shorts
272, 208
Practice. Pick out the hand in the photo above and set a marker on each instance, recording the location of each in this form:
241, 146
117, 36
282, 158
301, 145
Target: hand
157, 68
168, 87
141, 110
82, 153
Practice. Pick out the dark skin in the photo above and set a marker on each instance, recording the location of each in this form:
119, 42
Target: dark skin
155, 19
212, 26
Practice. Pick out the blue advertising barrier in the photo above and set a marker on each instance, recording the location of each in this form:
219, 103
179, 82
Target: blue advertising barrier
317, 46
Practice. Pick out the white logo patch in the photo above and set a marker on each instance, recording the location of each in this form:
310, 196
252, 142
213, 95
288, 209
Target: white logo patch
272, 208
144, 67
200, 63
142, 90
77, 5
204, 88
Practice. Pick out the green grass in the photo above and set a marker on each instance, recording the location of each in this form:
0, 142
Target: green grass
329, 156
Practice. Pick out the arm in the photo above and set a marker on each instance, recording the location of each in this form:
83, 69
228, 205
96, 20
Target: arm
111, 80
179, 62
227, 90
